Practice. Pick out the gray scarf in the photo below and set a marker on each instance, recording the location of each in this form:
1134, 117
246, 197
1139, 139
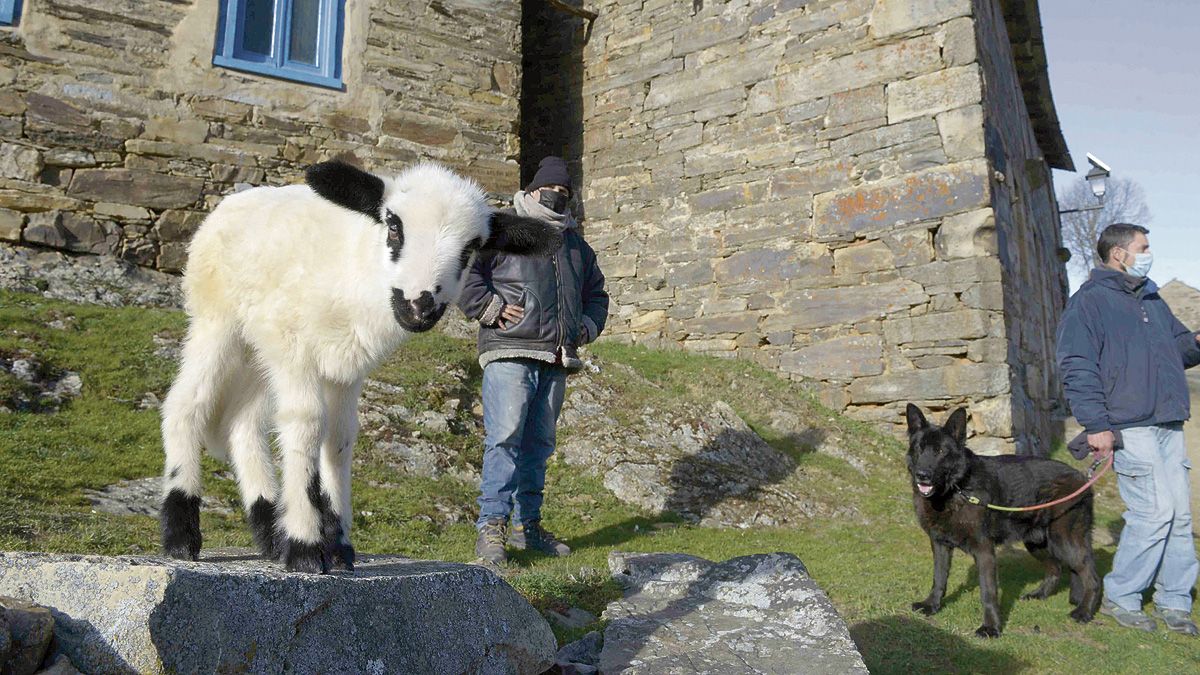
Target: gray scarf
527, 205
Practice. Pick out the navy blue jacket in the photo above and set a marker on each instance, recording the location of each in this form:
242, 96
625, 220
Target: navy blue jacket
1122, 353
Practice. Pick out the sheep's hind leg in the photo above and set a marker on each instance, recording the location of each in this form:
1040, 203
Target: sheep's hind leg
300, 420
250, 453
336, 458
186, 415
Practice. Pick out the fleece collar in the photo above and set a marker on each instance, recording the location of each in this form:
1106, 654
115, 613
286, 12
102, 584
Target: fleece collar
1119, 281
527, 205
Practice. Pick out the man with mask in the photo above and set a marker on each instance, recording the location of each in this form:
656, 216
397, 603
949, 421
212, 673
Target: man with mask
534, 313
1122, 353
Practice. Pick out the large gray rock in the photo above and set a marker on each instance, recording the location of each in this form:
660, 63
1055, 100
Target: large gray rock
141, 497
236, 613
94, 280
700, 461
753, 614
28, 631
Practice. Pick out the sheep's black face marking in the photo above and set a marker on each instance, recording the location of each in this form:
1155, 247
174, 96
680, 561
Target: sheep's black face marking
416, 316
522, 236
395, 237
347, 186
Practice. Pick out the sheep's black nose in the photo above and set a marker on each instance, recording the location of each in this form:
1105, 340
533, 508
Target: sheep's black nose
424, 306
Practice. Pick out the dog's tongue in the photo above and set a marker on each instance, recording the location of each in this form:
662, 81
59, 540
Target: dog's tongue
926, 490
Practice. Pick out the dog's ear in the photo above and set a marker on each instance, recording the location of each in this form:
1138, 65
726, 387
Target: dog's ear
916, 421
347, 186
519, 235
956, 426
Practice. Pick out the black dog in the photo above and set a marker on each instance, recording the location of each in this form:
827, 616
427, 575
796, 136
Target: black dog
945, 474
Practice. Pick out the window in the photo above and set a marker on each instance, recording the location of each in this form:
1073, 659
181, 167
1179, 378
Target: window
292, 39
10, 11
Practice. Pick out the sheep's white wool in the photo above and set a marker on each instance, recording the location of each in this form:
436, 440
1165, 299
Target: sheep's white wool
292, 300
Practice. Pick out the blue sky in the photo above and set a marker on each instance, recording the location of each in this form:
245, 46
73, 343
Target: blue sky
1126, 81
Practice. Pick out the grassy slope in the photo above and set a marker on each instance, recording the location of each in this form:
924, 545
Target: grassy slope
872, 567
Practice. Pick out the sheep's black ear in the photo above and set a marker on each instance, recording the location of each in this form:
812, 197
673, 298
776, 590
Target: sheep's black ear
521, 236
347, 186
956, 426
916, 421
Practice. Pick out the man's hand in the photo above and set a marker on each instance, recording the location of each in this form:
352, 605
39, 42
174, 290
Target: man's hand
512, 314
1101, 443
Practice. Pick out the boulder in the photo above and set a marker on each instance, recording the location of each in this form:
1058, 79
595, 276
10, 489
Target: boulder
96, 280
700, 461
234, 612
141, 497
29, 629
580, 656
754, 614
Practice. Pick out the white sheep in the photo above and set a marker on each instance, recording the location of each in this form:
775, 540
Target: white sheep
293, 295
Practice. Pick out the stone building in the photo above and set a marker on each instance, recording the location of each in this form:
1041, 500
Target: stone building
856, 193
118, 132
853, 192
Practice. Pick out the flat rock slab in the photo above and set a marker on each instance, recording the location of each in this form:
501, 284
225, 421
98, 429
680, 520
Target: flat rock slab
754, 614
234, 612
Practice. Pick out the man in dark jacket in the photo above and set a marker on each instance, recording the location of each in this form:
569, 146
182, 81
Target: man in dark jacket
1122, 354
534, 313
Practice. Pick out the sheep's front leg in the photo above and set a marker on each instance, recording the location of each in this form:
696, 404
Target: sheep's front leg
336, 457
300, 421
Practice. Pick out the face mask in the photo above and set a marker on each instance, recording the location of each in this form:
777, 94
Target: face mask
1141, 265
553, 200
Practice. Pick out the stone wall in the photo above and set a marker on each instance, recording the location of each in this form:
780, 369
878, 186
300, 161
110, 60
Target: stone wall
807, 184
117, 133
851, 192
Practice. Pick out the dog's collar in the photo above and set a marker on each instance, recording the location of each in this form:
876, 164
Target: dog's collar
971, 499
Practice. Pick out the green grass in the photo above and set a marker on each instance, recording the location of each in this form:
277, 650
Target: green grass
872, 565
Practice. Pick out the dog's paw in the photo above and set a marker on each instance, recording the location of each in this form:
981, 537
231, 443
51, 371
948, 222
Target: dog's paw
1035, 595
925, 607
986, 631
1082, 615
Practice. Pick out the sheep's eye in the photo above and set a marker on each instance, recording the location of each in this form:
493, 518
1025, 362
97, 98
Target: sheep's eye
395, 236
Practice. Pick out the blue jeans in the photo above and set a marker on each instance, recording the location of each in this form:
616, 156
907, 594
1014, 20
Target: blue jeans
1156, 543
521, 402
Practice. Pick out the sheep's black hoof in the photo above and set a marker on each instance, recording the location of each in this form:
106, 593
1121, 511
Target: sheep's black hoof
262, 525
181, 525
343, 556
308, 558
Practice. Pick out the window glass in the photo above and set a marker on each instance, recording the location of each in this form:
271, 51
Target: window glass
258, 26
302, 45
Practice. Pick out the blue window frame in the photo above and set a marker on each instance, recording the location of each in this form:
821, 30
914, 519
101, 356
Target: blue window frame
10, 11
292, 39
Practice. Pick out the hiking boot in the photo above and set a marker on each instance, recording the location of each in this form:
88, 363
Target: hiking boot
1177, 620
489, 545
1126, 618
532, 536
